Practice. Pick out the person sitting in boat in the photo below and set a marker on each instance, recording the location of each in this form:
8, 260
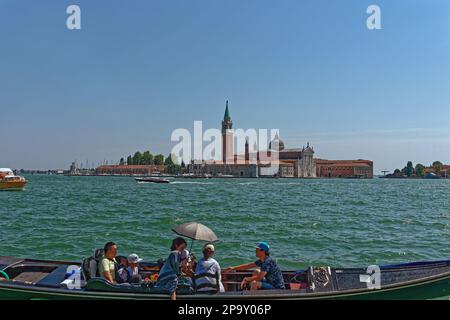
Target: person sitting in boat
267, 276
208, 266
129, 270
171, 270
187, 263
122, 263
187, 266
107, 265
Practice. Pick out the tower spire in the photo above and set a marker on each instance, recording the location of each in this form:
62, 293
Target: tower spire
227, 136
227, 113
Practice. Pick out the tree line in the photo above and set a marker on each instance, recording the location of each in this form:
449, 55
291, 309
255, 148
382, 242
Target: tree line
147, 158
419, 170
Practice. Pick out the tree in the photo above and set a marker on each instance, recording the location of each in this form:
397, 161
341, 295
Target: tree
403, 171
159, 159
409, 169
437, 166
171, 159
420, 170
137, 158
168, 161
129, 160
171, 165
147, 158
122, 161
174, 168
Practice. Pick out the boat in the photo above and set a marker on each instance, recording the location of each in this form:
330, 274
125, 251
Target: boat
51, 279
151, 180
9, 181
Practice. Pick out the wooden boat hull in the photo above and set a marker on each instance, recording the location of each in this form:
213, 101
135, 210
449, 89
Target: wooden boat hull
432, 290
12, 185
433, 283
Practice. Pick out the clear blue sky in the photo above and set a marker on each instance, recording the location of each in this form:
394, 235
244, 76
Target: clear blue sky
139, 69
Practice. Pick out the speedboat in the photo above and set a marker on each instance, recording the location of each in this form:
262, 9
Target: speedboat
151, 180
9, 181
52, 279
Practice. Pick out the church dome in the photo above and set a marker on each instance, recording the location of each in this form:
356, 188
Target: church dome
276, 144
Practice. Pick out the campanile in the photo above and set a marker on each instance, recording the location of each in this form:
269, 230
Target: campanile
227, 137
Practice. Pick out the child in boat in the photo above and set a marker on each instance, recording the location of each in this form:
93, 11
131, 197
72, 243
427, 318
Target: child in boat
268, 276
171, 270
129, 271
187, 263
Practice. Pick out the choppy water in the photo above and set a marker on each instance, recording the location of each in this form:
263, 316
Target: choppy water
307, 222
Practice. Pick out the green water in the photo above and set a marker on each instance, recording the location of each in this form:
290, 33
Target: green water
307, 222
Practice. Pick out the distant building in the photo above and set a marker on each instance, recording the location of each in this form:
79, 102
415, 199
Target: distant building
220, 169
344, 168
129, 169
293, 163
73, 169
445, 170
290, 163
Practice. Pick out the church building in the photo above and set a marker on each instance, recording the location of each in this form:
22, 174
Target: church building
286, 163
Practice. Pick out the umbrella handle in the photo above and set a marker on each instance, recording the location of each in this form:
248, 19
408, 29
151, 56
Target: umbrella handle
190, 249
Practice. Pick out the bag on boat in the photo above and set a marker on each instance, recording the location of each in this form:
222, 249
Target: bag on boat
90, 265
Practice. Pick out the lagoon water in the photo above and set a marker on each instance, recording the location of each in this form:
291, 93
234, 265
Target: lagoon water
307, 222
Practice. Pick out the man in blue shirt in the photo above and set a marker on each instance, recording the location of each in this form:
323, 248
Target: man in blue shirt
268, 276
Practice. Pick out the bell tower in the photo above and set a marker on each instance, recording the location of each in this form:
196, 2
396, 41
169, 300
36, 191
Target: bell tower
227, 137
247, 152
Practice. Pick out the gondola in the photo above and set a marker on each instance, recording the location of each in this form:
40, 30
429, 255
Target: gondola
45, 279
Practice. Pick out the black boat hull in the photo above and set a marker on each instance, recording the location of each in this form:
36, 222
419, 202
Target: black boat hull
415, 281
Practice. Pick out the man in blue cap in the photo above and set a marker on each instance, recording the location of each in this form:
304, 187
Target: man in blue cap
268, 276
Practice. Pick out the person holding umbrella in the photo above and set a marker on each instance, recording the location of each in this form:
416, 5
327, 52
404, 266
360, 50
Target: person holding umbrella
171, 270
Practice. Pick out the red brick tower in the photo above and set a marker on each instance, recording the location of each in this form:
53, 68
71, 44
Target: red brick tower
227, 137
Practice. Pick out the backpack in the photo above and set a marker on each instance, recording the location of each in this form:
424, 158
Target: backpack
91, 263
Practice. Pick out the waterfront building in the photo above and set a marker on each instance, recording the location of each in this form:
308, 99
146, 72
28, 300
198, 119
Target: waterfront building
293, 163
344, 168
140, 170
224, 170
286, 163
445, 171
73, 170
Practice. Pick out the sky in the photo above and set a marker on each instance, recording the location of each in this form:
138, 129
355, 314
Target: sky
137, 70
